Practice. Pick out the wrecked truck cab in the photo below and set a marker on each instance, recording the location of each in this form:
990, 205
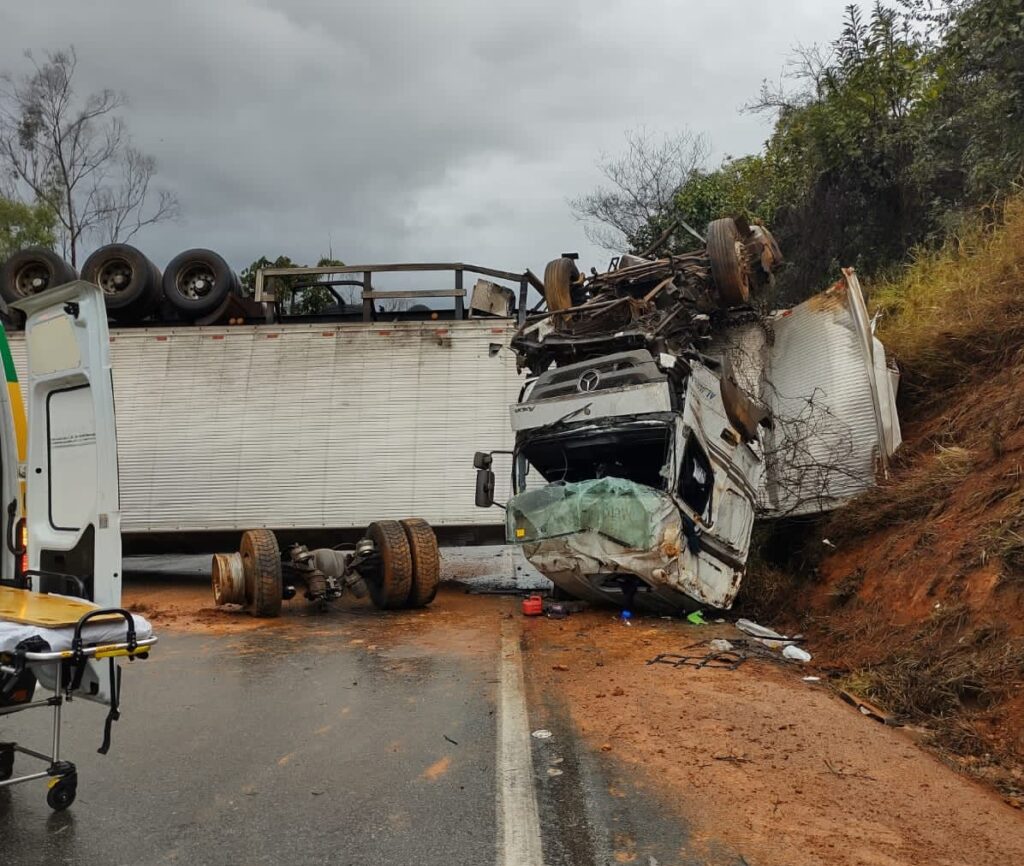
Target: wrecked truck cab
630, 485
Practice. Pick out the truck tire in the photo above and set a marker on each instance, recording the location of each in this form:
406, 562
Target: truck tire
31, 271
130, 281
261, 564
426, 561
389, 588
196, 282
559, 276
728, 271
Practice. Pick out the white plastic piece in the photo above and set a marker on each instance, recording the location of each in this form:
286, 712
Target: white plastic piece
752, 628
797, 654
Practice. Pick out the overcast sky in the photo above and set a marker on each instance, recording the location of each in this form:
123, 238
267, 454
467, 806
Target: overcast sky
451, 130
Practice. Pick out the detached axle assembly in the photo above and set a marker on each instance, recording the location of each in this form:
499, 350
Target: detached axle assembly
396, 562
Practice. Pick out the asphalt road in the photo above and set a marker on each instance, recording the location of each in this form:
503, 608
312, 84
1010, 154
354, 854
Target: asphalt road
353, 738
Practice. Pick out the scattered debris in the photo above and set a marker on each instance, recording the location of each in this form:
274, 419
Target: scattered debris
665, 304
542, 734
868, 709
728, 660
449, 739
696, 618
795, 653
812, 679
720, 645
559, 667
533, 605
758, 631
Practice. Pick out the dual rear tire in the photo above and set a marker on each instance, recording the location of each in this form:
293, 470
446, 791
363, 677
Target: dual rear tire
410, 564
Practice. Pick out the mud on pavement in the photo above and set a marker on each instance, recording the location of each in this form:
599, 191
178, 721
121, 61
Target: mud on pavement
751, 765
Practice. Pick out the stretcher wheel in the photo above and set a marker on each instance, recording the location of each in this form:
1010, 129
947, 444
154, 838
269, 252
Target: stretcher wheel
62, 792
261, 565
426, 561
389, 588
6, 763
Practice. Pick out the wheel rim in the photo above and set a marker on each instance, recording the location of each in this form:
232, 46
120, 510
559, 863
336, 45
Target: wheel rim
31, 279
115, 276
195, 281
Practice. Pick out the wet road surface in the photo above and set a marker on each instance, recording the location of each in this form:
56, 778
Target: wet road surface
349, 738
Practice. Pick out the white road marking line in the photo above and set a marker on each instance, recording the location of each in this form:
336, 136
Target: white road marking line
518, 820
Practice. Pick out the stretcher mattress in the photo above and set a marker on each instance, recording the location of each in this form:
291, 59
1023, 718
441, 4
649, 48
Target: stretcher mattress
59, 639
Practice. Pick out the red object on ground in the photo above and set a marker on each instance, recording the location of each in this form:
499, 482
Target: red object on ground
533, 605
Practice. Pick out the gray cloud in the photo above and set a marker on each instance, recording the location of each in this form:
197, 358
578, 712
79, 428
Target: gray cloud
413, 130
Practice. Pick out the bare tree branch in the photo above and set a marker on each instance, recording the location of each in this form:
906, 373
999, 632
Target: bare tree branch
642, 184
75, 156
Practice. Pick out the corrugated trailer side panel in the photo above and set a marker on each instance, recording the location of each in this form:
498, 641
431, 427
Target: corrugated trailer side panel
306, 426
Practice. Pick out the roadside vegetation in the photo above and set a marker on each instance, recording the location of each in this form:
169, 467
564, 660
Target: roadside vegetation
881, 142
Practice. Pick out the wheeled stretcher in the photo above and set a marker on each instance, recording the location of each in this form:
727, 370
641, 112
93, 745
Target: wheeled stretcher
64, 647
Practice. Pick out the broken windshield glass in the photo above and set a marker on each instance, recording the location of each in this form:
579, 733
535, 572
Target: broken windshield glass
628, 513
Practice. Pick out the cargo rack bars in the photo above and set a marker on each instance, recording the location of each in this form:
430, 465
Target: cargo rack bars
264, 293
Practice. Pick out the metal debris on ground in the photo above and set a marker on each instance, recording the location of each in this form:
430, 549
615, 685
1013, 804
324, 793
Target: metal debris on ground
869, 709
773, 640
728, 660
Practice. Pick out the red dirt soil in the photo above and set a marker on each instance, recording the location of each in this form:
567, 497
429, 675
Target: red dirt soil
774, 768
922, 601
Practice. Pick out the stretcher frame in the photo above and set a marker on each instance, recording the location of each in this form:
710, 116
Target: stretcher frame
67, 666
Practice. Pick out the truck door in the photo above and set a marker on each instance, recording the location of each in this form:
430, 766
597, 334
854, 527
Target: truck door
72, 504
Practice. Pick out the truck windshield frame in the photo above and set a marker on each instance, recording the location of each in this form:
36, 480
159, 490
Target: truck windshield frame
641, 451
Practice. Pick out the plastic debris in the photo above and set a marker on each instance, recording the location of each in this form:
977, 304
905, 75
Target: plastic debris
533, 605
542, 734
626, 618
720, 645
752, 628
696, 618
812, 679
797, 654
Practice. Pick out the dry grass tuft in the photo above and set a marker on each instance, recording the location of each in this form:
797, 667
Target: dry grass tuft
908, 496
957, 312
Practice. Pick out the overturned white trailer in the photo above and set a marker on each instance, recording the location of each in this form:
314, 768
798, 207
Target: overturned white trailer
307, 429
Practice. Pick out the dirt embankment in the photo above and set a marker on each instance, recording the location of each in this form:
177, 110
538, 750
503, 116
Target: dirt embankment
919, 602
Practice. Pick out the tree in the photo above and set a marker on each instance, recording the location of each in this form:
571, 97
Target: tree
23, 225
75, 157
300, 294
644, 180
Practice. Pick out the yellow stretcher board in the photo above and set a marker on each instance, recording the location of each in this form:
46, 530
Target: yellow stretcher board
46, 611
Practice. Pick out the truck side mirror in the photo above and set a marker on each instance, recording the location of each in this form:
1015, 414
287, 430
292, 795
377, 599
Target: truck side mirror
482, 460
484, 487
